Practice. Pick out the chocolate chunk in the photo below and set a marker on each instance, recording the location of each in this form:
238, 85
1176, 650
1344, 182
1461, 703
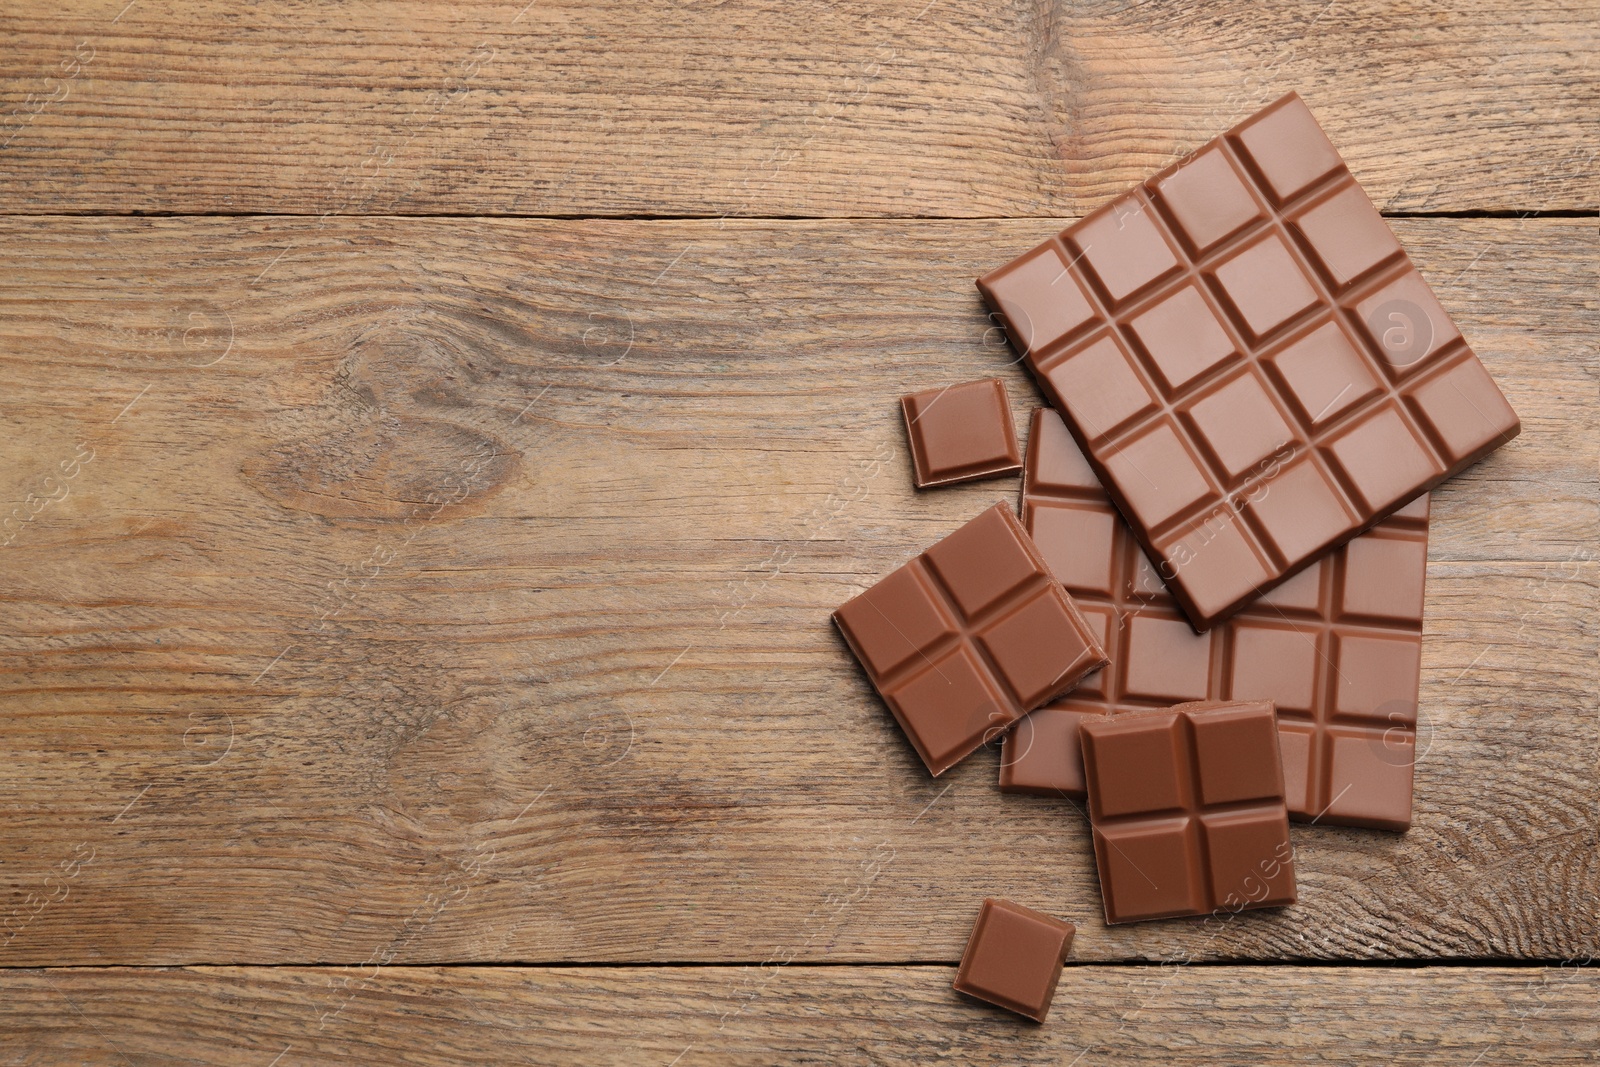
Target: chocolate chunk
1254, 367
1187, 809
968, 637
961, 433
1337, 648
1013, 958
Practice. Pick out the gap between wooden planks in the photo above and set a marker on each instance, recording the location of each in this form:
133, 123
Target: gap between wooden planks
445, 591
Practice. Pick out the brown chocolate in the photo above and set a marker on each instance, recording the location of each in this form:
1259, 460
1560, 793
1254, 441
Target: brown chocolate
1014, 957
1337, 648
968, 637
1187, 810
961, 433
1255, 369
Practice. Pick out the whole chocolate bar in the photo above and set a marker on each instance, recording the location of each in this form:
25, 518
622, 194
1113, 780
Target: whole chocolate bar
960, 433
968, 637
1187, 810
1013, 958
1337, 648
1254, 367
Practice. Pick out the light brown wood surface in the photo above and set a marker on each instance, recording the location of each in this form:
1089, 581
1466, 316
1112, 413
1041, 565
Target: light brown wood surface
414, 617
698, 1016
771, 107
387, 585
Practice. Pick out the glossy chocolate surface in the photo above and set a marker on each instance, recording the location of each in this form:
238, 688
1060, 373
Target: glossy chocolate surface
960, 433
1013, 958
968, 637
1337, 648
1255, 369
1187, 810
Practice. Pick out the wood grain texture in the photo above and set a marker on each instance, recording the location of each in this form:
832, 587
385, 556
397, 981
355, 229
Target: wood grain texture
957, 108
432, 590
700, 1017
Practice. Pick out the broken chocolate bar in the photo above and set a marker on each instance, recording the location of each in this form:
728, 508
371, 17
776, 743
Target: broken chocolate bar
1187, 810
968, 637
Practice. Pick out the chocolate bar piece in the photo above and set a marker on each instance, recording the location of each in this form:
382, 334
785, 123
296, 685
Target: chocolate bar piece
1337, 648
1014, 957
969, 637
961, 433
1253, 366
1187, 810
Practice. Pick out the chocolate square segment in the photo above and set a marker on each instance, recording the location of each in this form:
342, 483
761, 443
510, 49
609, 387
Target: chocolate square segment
1346, 237
969, 637
1013, 958
1124, 248
1286, 149
1336, 648
1188, 810
1207, 200
1181, 338
1100, 387
1039, 301
1041, 754
960, 433
1264, 286
1259, 373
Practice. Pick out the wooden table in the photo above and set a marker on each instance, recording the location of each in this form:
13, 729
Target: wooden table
434, 437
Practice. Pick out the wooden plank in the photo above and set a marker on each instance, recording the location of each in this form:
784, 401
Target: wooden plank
767, 107
447, 591
698, 1016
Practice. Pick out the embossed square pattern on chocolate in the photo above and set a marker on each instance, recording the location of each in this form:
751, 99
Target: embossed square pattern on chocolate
960, 433
1013, 958
1337, 648
968, 637
1187, 810
1254, 367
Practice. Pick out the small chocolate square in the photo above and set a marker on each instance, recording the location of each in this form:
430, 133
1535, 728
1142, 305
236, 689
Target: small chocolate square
1188, 810
1013, 958
961, 433
968, 637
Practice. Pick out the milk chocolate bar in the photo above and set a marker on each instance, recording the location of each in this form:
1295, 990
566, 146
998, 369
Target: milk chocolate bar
1337, 648
968, 637
1251, 362
1187, 810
